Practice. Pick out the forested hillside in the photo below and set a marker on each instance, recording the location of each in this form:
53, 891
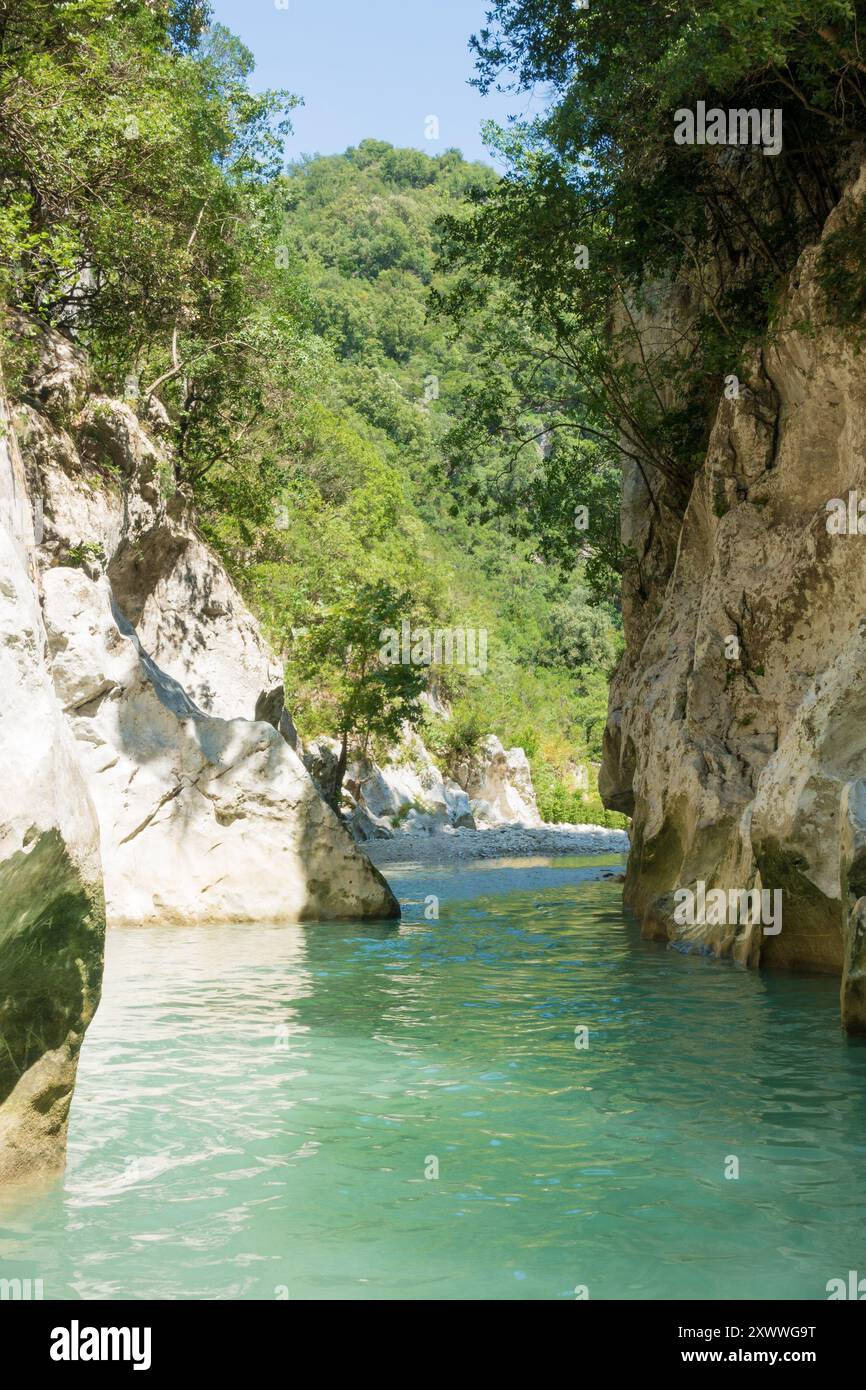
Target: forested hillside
347, 453
360, 234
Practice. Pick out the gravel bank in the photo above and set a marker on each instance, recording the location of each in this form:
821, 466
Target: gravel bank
505, 842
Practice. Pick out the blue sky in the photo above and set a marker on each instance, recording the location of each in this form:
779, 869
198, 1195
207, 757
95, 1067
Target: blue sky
372, 68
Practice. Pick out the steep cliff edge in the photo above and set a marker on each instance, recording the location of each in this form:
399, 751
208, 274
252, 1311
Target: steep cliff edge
52, 914
737, 728
138, 785
206, 814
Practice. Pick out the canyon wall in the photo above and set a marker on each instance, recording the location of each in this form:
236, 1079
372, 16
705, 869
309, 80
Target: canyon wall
736, 735
139, 786
52, 914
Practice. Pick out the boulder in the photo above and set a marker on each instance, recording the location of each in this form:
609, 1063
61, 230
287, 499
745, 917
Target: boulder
363, 826
321, 756
271, 707
203, 820
499, 785
409, 790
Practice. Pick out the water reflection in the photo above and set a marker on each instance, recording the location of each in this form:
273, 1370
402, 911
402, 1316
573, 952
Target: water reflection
257, 1109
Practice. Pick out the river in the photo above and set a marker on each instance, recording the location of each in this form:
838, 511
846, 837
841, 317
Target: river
414, 1111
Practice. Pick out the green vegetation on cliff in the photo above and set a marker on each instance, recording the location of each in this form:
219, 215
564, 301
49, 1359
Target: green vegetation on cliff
361, 232
319, 415
601, 208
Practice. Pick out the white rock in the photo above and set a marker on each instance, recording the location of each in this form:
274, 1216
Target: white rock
203, 820
409, 789
51, 906
200, 818
115, 491
499, 785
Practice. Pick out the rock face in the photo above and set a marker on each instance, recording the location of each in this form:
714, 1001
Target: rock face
107, 492
271, 708
321, 756
737, 729
408, 793
499, 785
202, 819
206, 812
51, 904
137, 776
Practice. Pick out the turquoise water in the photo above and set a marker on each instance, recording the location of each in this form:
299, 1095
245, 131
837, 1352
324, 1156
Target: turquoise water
257, 1109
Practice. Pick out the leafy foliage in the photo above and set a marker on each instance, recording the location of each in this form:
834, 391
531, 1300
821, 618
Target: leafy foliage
339, 659
602, 171
317, 414
399, 385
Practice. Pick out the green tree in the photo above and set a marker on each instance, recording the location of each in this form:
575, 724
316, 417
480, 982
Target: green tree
140, 215
488, 493
600, 204
343, 658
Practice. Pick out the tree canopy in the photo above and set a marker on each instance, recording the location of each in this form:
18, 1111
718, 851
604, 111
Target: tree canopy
600, 204
336, 439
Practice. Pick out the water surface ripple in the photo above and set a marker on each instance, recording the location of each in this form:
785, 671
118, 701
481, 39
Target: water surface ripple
258, 1109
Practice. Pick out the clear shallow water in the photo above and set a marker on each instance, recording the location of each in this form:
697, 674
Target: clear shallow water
256, 1108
